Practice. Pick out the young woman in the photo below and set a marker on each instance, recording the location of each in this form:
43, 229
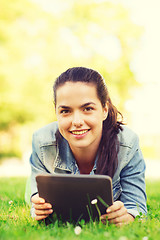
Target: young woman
88, 139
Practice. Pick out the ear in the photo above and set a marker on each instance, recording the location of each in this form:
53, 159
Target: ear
105, 112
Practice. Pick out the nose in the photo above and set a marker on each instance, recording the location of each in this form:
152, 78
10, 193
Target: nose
77, 120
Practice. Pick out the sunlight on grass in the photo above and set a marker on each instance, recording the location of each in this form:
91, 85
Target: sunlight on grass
16, 223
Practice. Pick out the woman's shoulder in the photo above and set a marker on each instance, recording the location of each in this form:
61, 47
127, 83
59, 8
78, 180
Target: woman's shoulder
127, 137
46, 134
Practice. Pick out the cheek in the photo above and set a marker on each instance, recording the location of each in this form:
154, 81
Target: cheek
63, 123
95, 120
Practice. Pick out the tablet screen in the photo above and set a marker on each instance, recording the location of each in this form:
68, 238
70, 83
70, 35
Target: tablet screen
71, 195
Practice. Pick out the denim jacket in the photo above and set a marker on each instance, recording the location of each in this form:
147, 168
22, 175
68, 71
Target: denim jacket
128, 181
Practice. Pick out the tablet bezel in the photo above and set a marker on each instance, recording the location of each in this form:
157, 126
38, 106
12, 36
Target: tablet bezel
71, 195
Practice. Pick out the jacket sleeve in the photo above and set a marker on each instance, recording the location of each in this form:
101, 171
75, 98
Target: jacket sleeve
37, 164
37, 167
132, 179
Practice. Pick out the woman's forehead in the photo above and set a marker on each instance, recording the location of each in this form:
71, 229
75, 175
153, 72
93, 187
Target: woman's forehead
79, 87
78, 92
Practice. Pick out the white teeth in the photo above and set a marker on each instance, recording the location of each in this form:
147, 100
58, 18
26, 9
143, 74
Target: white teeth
79, 132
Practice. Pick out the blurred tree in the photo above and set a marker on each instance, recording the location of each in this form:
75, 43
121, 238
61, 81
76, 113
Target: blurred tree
40, 39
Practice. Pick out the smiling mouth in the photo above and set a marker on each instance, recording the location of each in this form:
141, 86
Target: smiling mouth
79, 132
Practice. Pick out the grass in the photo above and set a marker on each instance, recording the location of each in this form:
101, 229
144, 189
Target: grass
16, 223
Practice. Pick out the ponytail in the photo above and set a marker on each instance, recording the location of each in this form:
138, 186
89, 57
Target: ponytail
109, 146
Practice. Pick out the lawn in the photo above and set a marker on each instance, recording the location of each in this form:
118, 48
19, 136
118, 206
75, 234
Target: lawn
15, 221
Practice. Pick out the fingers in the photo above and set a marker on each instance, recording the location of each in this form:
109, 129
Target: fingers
124, 219
37, 200
117, 214
116, 211
116, 206
40, 217
42, 209
43, 206
42, 214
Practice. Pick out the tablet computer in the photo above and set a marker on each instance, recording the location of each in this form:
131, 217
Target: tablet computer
71, 195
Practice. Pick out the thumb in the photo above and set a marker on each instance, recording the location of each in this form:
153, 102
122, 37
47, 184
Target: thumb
37, 200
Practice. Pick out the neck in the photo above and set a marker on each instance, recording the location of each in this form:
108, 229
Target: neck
85, 159
85, 156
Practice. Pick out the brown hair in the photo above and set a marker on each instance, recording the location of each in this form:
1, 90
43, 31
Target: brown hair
108, 150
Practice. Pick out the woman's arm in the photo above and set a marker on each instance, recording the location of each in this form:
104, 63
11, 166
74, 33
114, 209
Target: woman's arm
132, 200
36, 163
132, 180
39, 209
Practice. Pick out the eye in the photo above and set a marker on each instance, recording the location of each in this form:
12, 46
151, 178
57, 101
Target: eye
64, 111
88, 109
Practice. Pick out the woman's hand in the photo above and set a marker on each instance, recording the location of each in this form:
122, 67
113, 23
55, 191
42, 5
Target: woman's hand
42, 209
117, 214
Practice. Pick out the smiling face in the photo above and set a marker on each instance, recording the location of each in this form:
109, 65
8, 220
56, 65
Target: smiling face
80, 115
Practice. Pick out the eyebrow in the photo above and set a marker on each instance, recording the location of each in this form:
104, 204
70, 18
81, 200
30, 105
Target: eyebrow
83, 105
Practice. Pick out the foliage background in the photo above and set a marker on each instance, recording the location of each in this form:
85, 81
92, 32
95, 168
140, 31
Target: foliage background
40, 39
